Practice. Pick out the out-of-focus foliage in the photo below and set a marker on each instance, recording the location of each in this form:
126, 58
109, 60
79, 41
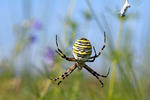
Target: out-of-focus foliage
130, 81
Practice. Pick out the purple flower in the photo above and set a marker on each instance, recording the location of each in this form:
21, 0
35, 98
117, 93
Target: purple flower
49, 55
37, 25
32, 38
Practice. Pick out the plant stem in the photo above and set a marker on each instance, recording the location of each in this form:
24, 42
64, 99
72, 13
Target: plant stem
44, 91
115, 61
66, 25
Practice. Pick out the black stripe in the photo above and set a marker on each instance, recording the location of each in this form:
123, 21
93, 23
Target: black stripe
67, 75
83, 51
82, 55
82, 48
83, 43
84, 39
59, 82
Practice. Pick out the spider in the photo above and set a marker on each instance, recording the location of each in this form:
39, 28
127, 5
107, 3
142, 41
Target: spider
82, 51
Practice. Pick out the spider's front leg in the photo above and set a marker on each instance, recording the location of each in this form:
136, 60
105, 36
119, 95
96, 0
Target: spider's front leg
62, 54
101, 50
66, 74
93, 59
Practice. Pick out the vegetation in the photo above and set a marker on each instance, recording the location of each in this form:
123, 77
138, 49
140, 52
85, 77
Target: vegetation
22, 77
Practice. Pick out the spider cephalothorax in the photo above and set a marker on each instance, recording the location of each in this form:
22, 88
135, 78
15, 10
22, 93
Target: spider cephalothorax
82, 51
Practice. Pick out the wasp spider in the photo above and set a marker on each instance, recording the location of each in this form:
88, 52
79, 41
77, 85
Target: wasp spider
82, 51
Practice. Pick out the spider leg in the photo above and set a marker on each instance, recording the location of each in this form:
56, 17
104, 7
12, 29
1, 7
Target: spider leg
66, 74
105, 76
62, 54
101, 50
93, 59
94, 74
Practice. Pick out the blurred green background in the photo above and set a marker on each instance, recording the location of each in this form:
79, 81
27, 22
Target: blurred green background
27, 49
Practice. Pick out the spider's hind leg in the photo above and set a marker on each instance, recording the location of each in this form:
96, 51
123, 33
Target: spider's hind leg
95, 74
66, 74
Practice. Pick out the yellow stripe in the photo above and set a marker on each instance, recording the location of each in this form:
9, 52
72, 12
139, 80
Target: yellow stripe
83, 40
77, 52
77, 45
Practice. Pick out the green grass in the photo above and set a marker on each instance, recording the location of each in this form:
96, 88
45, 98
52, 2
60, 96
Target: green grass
128, 79
76, 87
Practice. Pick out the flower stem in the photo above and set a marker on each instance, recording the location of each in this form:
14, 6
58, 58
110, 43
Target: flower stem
114, 63
44, 91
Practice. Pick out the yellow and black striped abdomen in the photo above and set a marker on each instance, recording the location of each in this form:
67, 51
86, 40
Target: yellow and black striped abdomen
82, 49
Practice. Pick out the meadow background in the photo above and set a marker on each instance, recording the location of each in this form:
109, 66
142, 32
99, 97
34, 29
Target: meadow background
27, 49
